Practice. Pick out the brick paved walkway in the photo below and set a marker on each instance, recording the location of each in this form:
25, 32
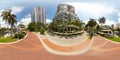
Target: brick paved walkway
73, 48
31, 49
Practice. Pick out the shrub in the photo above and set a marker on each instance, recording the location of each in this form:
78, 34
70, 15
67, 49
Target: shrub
19, 36
90, 37
102, 34
23, 33
42, 31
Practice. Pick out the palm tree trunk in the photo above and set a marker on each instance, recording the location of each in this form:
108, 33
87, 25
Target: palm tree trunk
101, 26
12, 30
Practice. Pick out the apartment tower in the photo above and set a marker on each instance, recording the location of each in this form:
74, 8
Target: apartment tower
38, 15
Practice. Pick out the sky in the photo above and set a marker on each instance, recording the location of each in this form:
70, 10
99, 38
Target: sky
85, 9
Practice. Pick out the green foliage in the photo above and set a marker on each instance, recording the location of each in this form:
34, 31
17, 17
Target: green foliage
91, 25
39, 26
98, 28
116, 39
101, 33
65, 26
42, 31
19, 35
102, 20
31, 26
90, 37
7, 39
9, 18
36, 26
3, 31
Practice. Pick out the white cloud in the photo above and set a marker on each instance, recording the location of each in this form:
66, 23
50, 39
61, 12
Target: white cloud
2, 23
25, 20
16, 9
110, 22
119, 20
118, 16
48, 21
93, 9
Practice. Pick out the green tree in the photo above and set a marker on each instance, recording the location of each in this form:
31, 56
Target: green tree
9, 18
91, 25
78, 23
39, 26
98, 28
36, 26
31, 26
102, 20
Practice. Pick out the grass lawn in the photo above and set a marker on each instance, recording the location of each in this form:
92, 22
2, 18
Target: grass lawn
116, 39
7, 39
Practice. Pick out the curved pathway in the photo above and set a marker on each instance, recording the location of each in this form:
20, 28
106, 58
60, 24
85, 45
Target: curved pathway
31, 49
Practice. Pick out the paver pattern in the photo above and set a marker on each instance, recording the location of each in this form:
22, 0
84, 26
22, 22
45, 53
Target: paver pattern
73, 48
31, 49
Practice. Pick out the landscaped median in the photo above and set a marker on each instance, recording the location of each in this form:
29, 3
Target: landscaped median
7, 39
11, 39
114, 39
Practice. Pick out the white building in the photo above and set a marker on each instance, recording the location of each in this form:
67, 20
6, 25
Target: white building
38, 15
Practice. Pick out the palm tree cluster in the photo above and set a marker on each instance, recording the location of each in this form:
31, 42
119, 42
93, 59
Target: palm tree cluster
9, 18
92, 26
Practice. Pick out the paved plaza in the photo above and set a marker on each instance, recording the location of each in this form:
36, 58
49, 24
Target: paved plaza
30, 48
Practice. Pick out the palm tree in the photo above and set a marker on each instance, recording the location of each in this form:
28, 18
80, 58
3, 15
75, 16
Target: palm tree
102, 20
70, 23
52, 26
91, 24
78, 23
9, 18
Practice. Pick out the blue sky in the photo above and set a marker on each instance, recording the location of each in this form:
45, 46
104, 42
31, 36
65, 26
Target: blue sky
85, 9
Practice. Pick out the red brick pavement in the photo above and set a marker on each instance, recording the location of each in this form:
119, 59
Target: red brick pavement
31, 49
73, 48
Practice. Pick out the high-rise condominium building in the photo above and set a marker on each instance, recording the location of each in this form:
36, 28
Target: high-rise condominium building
38, 15
65, 12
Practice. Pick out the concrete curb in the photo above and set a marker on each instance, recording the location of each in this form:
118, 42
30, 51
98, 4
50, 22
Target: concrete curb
66, 53
16, 41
